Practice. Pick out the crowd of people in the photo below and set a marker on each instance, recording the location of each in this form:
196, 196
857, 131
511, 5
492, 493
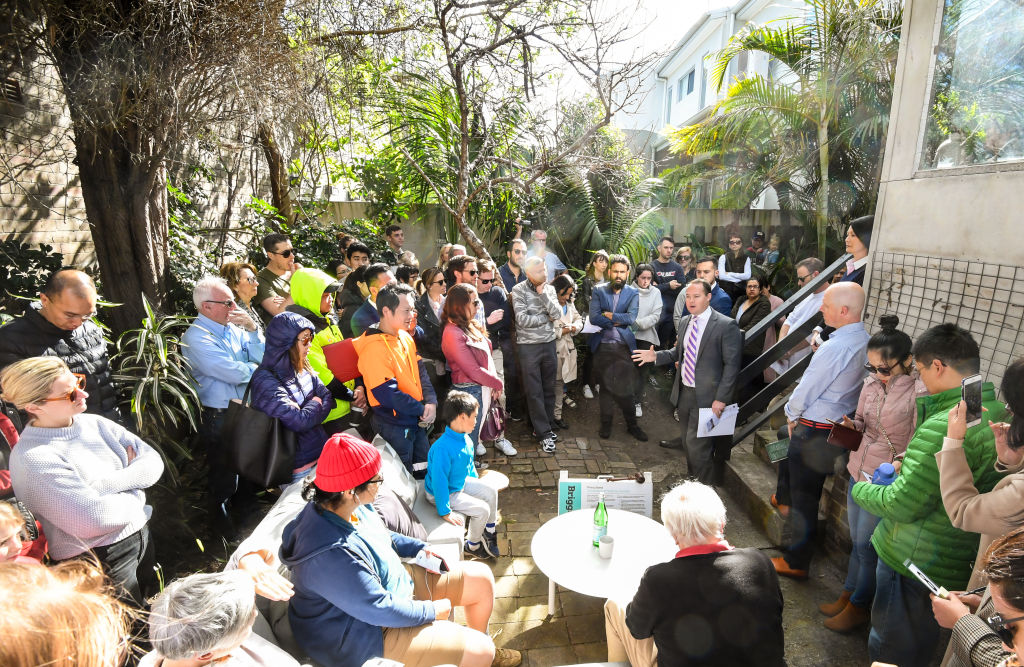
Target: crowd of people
446, 355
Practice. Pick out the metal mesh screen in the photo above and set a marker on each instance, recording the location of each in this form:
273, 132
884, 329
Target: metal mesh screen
986, 299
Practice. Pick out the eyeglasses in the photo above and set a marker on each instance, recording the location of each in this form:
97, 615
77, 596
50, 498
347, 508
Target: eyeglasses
486, 281
803, 279
379, 479
251, 280
70, 396
1001, 627
735, 242
226, 304
305, 340
286, 253
518, 252
884, 371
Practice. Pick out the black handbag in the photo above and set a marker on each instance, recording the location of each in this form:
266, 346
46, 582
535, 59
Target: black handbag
257, 446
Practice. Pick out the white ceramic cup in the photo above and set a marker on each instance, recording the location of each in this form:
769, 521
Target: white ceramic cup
605, 546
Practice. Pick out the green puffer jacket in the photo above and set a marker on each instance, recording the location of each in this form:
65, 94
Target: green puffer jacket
914, 522
308, 287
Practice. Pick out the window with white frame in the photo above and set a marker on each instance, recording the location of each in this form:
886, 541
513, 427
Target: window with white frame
976, 109
691, 76
668, 105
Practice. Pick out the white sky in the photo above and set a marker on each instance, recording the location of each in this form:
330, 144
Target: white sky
667, 20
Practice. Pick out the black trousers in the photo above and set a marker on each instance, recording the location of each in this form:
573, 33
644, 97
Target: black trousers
513, 381
811, 459
618, 380
540, 366
129, 564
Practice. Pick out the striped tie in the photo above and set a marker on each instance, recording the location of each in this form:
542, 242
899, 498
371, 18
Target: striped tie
690, 354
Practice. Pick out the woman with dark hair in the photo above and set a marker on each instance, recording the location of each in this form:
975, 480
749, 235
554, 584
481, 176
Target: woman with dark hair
355, 599
595, 274
886, 415
858, 240
339, 269
645, 328
285, 387
429, 310
566, 328
734, 268
468, 351
748, 312
351, 297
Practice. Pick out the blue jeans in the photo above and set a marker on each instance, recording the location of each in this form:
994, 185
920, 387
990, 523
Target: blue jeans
903, 628
860, 573
477, 392
409, 442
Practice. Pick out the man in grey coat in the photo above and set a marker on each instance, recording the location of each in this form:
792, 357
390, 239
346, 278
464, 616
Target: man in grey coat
535, 307
707, 357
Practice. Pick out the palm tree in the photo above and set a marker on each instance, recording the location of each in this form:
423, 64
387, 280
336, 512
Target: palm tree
815, 133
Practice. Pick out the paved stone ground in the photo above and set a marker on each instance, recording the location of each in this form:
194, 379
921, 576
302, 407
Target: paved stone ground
576, 633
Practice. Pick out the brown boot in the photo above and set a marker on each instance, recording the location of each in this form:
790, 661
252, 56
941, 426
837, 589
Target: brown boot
849, 619
832, 608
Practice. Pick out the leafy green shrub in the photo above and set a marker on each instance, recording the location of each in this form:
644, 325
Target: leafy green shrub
23, 271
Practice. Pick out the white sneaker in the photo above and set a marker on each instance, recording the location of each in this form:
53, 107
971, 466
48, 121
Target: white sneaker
505, 447
639, 410
675, 414
548, 445
586, 391
480, 449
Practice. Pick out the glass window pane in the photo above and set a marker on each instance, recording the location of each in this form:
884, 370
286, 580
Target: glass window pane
976, 109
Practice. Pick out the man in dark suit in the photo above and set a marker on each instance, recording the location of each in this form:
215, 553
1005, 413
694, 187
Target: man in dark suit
613, 308
707, 357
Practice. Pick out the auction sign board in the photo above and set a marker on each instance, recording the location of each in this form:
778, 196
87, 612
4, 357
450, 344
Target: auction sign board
635, 494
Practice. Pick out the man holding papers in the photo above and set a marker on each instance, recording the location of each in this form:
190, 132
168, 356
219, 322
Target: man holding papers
707, 358
828, 390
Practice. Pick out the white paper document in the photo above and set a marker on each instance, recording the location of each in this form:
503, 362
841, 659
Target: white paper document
589, 328
709, 425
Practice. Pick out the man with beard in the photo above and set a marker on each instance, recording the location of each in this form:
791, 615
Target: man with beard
613, 309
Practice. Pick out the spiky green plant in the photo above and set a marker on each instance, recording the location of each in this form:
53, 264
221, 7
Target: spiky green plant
159, 391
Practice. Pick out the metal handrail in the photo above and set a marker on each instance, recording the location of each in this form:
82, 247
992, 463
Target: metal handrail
760, 402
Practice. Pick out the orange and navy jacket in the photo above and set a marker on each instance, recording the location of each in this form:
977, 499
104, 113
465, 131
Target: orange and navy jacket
395, 378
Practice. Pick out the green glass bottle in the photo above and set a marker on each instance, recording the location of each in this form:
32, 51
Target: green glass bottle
600, 520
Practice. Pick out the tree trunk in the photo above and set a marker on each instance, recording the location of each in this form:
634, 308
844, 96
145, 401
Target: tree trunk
280, 194
821, 215
125, 191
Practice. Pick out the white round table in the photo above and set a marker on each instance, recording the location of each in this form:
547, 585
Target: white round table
563, 550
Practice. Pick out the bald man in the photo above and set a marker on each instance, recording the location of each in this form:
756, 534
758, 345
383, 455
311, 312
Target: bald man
60, 325
828, 390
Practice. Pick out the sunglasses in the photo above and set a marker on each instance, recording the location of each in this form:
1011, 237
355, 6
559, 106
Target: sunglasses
735, 242
802, 279
439, 281
1001, 627
884, 371
686, 257
286, 253
305, 340
486, 281
472, 273
70, 396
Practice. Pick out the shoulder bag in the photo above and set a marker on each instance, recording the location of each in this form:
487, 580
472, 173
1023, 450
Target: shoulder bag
257, 446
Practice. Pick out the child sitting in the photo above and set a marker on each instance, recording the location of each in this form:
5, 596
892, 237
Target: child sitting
452, 482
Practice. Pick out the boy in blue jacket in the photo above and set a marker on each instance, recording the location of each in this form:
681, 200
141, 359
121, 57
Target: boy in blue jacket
452, 482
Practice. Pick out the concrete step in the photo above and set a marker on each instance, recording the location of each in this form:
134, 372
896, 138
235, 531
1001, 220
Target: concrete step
751, 481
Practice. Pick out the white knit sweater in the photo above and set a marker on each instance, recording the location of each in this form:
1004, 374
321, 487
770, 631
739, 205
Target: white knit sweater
78, 483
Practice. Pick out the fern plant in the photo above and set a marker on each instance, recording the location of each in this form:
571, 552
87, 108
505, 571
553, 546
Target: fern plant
160, 393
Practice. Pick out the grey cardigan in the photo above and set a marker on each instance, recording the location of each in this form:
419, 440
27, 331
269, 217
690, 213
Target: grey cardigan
535, 313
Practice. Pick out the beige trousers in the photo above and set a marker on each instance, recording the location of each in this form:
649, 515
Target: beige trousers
622, 646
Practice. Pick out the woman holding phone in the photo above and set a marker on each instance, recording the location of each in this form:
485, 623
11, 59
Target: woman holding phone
886, 415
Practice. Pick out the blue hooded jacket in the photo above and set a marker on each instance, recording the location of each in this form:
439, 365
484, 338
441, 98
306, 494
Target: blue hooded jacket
341, 605
279, 392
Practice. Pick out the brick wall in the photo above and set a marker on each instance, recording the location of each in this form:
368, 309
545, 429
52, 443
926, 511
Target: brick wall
40, 193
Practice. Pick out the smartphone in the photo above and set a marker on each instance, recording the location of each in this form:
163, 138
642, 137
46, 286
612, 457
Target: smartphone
938, 591
970, 392
866, 476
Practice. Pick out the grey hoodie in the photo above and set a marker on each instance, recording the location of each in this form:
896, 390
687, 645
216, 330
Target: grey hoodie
535, 313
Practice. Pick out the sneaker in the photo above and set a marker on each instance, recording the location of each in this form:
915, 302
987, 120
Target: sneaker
560, 424
675, 414
637, 432
505, 447
587, 393
569, 403
639, 410
548, 445
515, 416
490, 543
506, 657
475, 553
480, 449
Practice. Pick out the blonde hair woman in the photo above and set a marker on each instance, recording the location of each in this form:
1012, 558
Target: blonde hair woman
83, 476
62, 615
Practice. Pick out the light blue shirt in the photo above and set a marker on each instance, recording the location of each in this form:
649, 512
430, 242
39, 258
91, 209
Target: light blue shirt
551, 263
222, 358
832, 382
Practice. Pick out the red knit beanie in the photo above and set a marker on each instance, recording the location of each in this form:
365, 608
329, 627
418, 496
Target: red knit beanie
345, 463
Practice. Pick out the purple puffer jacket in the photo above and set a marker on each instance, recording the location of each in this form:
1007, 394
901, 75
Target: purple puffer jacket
891, 407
